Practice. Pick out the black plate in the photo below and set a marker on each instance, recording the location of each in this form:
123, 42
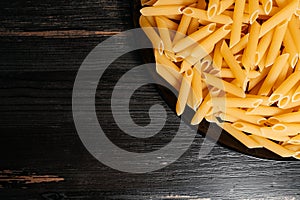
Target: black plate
225, 139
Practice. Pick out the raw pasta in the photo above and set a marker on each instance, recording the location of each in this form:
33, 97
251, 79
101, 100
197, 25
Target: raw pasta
234, 61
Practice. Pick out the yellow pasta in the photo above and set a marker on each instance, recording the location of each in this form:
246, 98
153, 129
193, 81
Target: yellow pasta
237, 25
266, 111
194, 23
162, 10
206, 46
182, 28
233, 61
250, 57
224, 5
272, 146
256, 130
253, 10
197, 87
234, 66
173, 2
212, 9
184, 91
291, 48
223, 85
202, 14
267, 5
202, 111
239, 135
194, 37
273, 75
285, 87
279, 17
276, 43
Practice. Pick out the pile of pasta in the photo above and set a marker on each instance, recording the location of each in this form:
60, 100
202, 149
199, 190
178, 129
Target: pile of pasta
235, 62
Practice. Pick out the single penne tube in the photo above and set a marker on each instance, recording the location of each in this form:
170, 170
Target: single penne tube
228, 118
273, 75
172, 78
224, 5
291, 117
234, 66
184, 91
182, 28
202, 111
295, 140
194, 37
250, 57
285, 87
276, 43
285, 129
148, 2
272, 146
235, 102
267, 132
253, 10
282, 76
240, 45
267, 111
291, 48
296, 95
283, 14
295, 31
223, 85
197, 88
247, 127
227, 73
202, 14
292, 105
151, 34
265, 100
212, 9
267, 5
240, 136
162, 10
242, 116
194, 23
263, 45
173, 2
164, 34
217, 57
292, 147
207, 45
245, 18
238, 13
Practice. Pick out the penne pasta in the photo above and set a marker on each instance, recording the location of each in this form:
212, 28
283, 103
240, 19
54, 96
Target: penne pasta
235, 63
283, 14
184, 91
234, 66
237, 25
273, 75
162, 10
276, 43
194, 37
250, 57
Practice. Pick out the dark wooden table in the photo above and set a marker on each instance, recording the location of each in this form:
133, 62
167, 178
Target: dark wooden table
43, 44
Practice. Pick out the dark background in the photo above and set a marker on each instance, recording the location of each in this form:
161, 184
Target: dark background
42, 45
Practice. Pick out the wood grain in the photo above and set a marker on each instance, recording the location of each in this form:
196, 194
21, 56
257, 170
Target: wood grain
37, 131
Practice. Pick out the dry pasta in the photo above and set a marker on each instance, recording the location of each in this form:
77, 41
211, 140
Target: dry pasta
235, 61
